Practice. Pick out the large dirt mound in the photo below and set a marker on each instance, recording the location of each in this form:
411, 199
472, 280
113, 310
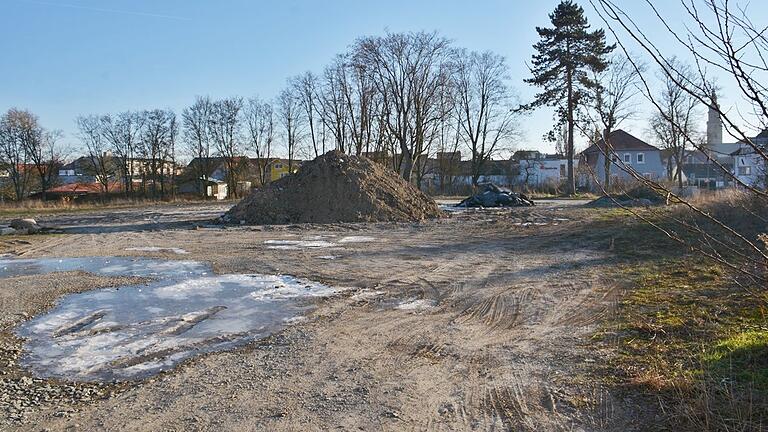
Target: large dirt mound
335, 187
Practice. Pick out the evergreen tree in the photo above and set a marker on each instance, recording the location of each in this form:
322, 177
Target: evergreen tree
565, 55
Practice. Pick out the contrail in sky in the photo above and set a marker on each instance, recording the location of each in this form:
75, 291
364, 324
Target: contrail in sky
95, 9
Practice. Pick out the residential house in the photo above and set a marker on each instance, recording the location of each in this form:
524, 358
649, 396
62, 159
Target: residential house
81, 170
501, 172
742, 161
702, 168
749, 166
79, 191
215, 181
278, 168
630, 155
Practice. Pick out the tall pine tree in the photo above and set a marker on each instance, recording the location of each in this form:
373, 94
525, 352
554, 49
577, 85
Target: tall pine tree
565, 54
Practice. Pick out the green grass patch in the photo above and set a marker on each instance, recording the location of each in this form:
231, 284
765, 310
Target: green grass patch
742, 357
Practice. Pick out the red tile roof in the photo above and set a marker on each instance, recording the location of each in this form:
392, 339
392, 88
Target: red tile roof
84, 188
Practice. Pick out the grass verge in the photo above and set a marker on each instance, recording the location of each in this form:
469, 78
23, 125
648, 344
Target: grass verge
33, 208
691, 340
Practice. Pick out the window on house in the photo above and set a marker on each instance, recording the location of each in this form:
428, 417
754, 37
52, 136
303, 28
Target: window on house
641, 158
745, 170
627, 158
562, 170
279, 166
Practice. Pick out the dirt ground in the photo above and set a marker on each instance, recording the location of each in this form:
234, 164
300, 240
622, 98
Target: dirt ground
477, 321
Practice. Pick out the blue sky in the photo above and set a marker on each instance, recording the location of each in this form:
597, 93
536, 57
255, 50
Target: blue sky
65, 58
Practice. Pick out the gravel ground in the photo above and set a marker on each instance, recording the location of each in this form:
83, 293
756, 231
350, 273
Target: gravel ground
478, 321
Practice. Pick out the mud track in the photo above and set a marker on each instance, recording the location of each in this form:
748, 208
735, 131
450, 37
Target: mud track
480, 321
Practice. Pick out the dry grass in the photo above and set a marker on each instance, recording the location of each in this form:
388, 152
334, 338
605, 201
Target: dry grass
690, 339
28, 207
691, 336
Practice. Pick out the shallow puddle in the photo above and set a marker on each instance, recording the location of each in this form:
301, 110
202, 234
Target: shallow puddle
316, 242
177, 251
134, 331
357, 239
298, 244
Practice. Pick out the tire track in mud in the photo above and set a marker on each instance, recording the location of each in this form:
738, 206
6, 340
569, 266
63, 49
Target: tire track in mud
44, 245
501, 311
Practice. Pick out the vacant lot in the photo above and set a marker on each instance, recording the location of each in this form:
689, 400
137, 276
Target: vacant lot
483, 320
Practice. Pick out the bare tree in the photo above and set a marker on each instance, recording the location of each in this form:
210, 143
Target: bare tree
226, 124
675, 122
40, 146
123, 132
289, 115
101, 162
331, 102
362, 103
306, 88
409, 71
196, 125
611, 102
160, 129
17, 127
47, 155
260, 122
559, 136
448, 155
483, 106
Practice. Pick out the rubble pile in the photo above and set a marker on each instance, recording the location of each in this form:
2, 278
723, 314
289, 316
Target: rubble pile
335, 187
495, 196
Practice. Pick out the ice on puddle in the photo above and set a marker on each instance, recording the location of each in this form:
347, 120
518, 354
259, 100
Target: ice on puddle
357, 239
366, 294
298, 244
315, 242
418, 304
177, 251
138, 330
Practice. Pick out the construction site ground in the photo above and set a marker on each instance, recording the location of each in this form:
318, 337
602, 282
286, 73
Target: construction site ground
481, 320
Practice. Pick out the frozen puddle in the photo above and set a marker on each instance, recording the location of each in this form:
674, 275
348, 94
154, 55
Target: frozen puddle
416, 305
298, 244
357, 239
177, 251
135, 331
315, 242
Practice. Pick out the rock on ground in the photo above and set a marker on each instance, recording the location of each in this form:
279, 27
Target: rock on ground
30, 225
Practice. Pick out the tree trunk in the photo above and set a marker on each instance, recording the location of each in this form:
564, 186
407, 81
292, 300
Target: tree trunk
406, 165
570, 188
608, 159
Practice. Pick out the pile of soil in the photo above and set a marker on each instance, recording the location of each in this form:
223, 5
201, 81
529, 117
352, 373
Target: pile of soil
639, 196
335, 187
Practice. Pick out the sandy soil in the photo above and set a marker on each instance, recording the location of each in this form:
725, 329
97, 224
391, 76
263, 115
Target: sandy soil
479, 321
